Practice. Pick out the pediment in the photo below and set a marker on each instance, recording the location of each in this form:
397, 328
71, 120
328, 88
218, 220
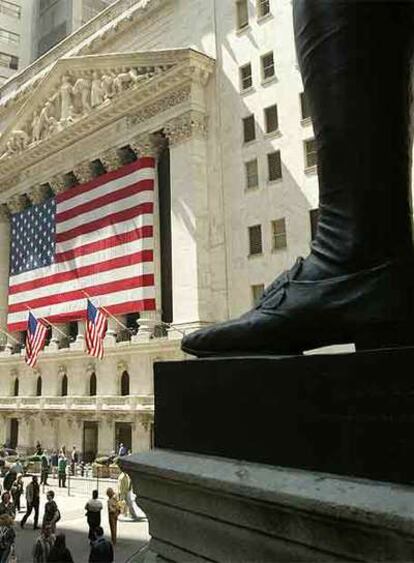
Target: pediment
77, 89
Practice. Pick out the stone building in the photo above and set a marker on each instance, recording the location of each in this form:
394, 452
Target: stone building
211, 89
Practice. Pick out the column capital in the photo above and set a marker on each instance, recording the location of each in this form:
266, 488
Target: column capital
111, 160
58, 184
185, 126
4, 212
83, 172
17, 203
37, 194
147, 144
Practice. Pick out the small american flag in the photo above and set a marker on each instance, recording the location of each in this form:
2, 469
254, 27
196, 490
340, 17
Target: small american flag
96, 237
96, 325
35, 339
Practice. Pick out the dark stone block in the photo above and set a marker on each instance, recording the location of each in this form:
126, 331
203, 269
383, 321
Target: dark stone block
349, 414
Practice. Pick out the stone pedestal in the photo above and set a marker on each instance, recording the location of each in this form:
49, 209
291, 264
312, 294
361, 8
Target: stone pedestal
340, 425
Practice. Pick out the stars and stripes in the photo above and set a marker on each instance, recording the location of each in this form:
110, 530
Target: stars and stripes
35, 339
96, 238
96, 325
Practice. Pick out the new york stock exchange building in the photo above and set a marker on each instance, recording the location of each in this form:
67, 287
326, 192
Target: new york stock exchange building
201, 98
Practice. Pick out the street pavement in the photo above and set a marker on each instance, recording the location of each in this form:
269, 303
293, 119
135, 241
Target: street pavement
131, 535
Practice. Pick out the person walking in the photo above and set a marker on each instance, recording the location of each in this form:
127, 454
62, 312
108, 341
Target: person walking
59, 552
32, 502
44, 471
124, 486
43, 545
123, 450
9, 479
7, 506
113, 513
101, 549
52, 513
74, 458
17, 491
7, 537
54, 460
62, 464
93, 514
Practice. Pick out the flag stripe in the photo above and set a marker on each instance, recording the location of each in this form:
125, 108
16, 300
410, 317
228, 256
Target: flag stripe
108, 220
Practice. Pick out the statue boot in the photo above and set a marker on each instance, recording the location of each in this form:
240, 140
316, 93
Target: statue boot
357, 284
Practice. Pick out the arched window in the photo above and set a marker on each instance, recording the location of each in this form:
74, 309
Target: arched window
16, 387
125, 383
39, 387
92, 384
64, 388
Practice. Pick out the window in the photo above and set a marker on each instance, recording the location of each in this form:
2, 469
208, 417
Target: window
249, 129
279, 234
39, 387
257, 292
125, 383
64, 386
311, 155
268, 66
92, 385
263, 8
10, 9
252, 173
271, 119
304, 106
9, 37
255, 240
246, 80
314, 217
9, 61
242, 14
16, 387
274, 165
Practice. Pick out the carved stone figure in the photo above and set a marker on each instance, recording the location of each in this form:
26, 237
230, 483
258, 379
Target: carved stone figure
356, 285
66, 103
121, 81
44, 119
82, 87
35, 127
20, 139
107, 85
97, 91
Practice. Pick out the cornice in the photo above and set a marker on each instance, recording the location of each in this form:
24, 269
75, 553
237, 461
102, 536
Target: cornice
115, 19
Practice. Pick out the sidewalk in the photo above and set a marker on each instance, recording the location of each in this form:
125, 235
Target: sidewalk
131, 535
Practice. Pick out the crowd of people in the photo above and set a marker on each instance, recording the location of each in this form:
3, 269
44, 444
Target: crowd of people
51, 545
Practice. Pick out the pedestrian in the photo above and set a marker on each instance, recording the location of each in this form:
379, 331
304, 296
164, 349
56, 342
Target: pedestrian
44, 468
113, 512
43, 545
7, 506
93, 514
38, 450
54, 460
17, 491
17, 466
52, 513
74, 458
9, 479
101, 549
123, 450
59, 552
62, 464
32, 502
124, 486
7, 537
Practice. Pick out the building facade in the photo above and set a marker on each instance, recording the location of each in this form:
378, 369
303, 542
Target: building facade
211, 89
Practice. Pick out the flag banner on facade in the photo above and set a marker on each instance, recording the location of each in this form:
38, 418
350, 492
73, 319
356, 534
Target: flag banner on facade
35, 339
96, 325
96, 238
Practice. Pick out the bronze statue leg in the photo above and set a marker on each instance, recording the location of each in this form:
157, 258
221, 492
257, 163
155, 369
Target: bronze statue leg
357, 283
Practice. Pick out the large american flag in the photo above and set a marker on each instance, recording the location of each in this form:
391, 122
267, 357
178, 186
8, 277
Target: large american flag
95, 237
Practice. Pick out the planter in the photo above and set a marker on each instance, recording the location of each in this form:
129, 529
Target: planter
114, 471
100, 471
33, 467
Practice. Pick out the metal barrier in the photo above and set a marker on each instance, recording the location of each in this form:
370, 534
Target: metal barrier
84, 486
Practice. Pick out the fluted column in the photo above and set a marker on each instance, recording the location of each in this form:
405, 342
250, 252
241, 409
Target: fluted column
4, 262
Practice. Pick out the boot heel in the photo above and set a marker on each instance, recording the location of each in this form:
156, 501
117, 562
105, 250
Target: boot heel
385, 336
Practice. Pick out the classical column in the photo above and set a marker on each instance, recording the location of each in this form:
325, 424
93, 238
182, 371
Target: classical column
79, 343
4, 262
111, 160
142, 432
189, 219
25, 439
58, 184
150, 145
106, 435
83, 172
3, 429
37, 194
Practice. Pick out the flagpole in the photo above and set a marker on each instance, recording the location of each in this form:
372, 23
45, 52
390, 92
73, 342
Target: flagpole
9, 335
107, 312
50, 324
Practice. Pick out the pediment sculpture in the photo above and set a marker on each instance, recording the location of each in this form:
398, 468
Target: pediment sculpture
76, 94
